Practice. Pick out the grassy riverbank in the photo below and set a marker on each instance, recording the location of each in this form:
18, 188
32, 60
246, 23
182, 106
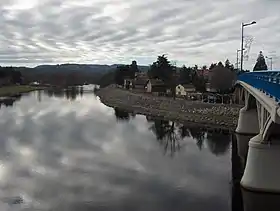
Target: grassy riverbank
7, 91
192, 112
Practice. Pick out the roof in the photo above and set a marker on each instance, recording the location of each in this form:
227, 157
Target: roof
188, 86
159, 88
140, 81
156, 82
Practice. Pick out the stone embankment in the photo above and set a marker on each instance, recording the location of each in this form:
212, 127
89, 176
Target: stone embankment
191, 112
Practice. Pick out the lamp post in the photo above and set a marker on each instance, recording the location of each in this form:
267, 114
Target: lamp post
270, 58
237, 57
242, 37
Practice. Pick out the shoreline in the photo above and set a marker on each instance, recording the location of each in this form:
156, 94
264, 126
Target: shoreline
212, 116
10, 91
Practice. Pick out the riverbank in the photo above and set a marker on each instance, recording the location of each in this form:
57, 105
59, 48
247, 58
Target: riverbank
190, 112
8, 91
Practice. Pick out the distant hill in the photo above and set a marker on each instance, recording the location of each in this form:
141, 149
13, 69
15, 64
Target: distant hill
89, 68
64, 73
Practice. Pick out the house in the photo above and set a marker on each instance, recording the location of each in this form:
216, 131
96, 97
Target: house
189, 87
140, 81
183, 89
156, 86
128, 83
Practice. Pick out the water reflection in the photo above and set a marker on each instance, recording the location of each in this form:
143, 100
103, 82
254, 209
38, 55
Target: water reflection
60, 154
9, 101
236, 173
121, 114
70, 93
171, 136
218, 143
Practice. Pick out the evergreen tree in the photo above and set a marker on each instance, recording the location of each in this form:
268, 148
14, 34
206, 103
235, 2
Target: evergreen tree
220, 64
185, 75
134, 68
213, 65
122, 72
260, 64
228, 65
162, 69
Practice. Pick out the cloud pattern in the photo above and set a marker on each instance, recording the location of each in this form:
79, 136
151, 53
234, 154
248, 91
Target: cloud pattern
117, 31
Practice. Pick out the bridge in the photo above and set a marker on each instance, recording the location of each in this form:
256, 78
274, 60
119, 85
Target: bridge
261, 117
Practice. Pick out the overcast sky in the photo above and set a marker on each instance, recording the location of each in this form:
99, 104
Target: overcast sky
118, 31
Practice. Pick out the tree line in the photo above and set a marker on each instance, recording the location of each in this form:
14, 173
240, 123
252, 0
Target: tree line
221, 75
172, 75
12, 75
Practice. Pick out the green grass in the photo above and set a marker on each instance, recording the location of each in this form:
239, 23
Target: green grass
12, 90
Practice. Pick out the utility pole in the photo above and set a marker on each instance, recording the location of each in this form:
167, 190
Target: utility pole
237, 58
242, 38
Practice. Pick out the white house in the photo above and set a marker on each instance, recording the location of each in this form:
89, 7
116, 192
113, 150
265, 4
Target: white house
182, 90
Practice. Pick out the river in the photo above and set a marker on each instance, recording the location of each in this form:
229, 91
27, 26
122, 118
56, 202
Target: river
65, 150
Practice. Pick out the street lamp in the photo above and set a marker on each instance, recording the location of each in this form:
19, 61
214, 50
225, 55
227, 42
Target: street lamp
237, 57
242, 36
270, 61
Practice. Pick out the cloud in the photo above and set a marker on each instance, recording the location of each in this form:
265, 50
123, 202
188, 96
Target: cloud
103, 31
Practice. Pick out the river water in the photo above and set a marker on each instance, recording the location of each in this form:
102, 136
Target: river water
68, 151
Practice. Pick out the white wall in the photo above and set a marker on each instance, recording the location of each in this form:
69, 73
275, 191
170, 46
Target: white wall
149, 87
180, 90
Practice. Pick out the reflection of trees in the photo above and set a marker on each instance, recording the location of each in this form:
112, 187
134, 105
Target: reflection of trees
72, 92
218, 143
39, 95
55, 93
10, 101
199, 135
169, 135
81, 91
121, 114
69, 93
236, 172
184, 131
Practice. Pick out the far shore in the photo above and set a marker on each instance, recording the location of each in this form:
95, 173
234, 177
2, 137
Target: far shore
8, 91
222, 116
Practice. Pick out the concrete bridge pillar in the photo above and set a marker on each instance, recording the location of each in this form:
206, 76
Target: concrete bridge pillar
262, 172
248, 123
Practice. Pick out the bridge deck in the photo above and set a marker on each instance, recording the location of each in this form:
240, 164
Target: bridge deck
266, 81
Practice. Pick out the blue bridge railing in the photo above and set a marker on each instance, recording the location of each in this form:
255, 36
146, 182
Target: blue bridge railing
266, 81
